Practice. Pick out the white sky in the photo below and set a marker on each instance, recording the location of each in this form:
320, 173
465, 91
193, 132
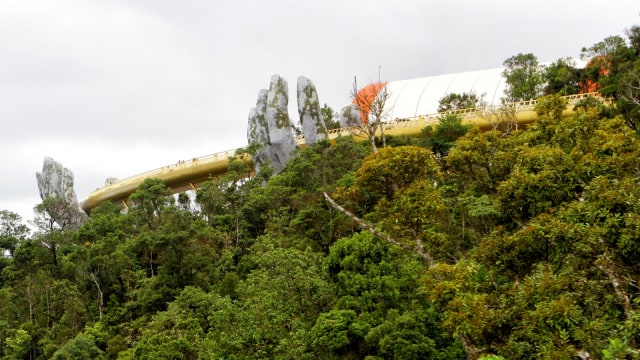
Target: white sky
118, 87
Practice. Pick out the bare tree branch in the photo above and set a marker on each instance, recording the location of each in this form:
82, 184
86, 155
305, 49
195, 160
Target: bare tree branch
630, 92
502, 117
100, 299
372, 111
419, 249
605, 264
473, 352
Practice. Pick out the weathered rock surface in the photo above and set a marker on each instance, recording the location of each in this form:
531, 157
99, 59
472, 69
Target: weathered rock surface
350, 116
56, 181
280, 132
258, 130
270, 126
313, 127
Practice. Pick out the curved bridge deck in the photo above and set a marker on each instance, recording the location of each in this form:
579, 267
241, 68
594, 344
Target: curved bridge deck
187, 175
181, 176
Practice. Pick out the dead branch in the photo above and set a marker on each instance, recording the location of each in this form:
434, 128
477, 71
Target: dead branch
605, 264
473, 353
419, 249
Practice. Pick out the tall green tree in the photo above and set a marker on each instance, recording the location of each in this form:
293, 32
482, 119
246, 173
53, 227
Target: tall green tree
376, 312
149, 201
563, 78
455, 101
524, 77
55, 219
629, 102
330, 117
180, 332
441, 137
12, 231
283, 296
613, 69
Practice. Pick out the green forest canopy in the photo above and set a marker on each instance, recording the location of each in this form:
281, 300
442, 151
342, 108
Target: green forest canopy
521, 244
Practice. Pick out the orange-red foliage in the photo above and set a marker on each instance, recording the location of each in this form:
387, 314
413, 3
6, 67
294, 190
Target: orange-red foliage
603, 65
365, 98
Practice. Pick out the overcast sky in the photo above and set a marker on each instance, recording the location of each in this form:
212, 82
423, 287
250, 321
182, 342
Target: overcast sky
113, 88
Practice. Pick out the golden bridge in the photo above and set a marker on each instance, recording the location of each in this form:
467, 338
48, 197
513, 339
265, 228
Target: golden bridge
189, 174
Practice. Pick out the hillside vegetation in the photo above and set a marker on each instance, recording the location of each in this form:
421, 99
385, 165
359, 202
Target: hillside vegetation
514, 243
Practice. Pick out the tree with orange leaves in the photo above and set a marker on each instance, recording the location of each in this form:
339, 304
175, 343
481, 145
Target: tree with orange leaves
370, 101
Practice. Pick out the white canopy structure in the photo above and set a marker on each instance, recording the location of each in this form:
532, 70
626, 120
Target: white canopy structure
421, 96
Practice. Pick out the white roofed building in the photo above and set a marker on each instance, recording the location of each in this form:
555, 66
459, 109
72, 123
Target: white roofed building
421, 96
